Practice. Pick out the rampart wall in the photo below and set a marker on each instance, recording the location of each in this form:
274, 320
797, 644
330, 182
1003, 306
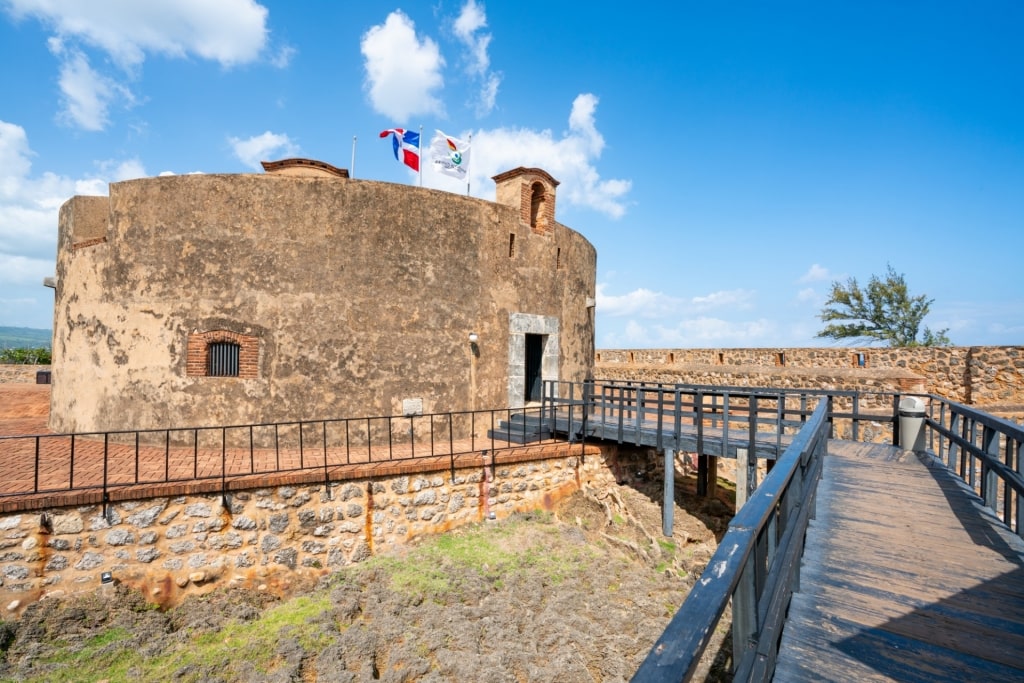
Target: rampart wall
20, 374
268, 538
986, 376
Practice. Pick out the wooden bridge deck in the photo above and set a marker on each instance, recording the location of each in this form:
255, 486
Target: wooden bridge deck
905, 577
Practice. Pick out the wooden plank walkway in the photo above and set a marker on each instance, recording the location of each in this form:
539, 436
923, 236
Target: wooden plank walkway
906, 577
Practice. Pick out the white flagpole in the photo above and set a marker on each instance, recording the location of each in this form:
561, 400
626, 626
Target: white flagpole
471, 162
352, 171
419, 151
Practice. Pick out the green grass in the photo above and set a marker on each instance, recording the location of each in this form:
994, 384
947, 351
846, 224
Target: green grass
432, 570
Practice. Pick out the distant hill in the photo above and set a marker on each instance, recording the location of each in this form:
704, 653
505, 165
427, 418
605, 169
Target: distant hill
24, 337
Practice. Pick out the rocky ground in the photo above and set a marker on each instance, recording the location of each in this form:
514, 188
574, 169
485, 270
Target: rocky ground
578, 595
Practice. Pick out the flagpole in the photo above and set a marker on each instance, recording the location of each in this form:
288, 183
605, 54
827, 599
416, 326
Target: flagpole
467, 175
419, 152
352, 170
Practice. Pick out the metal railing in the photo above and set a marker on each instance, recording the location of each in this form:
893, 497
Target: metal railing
983, 450
102, 461
756, 566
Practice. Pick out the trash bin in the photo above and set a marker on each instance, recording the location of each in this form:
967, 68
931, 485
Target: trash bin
911, 424
42, 376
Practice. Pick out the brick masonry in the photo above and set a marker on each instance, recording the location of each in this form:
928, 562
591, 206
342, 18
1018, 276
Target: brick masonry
269, 537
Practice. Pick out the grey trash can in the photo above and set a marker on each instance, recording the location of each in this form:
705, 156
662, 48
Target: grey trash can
911, 423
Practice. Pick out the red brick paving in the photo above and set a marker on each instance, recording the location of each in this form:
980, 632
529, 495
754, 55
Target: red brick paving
156, 465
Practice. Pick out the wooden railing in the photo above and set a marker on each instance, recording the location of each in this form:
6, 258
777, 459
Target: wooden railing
984, 450
756, 566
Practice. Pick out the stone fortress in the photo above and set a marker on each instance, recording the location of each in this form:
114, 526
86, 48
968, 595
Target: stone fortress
301, 293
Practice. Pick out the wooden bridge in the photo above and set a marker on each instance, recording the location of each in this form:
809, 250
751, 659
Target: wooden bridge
851, 561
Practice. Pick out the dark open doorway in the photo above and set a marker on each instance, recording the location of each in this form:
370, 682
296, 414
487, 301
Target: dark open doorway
534, 358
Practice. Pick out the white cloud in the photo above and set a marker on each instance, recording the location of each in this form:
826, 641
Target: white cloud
251, 151
640, 302
569, 158
701, 332
29, 208
808, 295
467, 30
229, 32
734, 298
816, 273
403, 73
87, 94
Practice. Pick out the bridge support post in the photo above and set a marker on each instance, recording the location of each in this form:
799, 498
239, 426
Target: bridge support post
746, 475
668, 495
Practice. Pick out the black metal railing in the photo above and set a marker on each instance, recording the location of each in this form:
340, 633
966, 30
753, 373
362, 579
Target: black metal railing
101, 461
756, 566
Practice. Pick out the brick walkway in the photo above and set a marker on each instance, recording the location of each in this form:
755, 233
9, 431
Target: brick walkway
61, 470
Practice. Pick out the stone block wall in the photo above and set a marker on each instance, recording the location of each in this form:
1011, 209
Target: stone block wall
268, 538
986, 376
20, 374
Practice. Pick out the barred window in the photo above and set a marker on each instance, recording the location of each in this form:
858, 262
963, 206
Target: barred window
223, 359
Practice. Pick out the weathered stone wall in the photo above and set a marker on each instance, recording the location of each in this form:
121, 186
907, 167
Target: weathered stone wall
20, 374
986, 376
361, 295
270, 537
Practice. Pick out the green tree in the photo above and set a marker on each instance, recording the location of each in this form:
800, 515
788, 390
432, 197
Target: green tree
883, 311
25, 356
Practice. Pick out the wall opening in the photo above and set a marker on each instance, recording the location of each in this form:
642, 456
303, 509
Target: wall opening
534, 352
860, 360
511, 244
721, 359
558, 258
533, 357
222, 353
537, 199
671, 358
223, 359
780, 358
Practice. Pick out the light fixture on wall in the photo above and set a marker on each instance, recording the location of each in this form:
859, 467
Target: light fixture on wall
473, 348
473, 338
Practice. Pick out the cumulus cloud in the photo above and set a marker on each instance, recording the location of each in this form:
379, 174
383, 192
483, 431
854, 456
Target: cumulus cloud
403, 72
251, 151
229, 32
640, 302
570, 158
468, 30
735, 298
29, 207
700, 332
816, 273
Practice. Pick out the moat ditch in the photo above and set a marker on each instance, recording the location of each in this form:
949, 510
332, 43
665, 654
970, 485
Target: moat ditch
579, 594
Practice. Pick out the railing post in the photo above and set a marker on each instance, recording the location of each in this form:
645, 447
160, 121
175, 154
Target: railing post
744, 612
669, 497
989, 477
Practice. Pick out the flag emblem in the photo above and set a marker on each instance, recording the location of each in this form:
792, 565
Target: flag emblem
450, 156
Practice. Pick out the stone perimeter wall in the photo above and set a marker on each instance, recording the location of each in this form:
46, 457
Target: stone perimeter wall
20, 374
266, 538
985, 376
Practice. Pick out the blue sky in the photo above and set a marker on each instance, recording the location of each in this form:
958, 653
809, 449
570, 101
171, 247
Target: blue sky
728, 160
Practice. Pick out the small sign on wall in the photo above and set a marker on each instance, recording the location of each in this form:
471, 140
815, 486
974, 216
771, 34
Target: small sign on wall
412, 406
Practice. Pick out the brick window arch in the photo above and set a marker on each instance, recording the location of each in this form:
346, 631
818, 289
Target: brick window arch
221, 353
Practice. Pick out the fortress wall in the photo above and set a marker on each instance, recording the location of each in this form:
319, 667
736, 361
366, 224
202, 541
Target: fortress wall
267, 538
980, 375
361, 294
20, 374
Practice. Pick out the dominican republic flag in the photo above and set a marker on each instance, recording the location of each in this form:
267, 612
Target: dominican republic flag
407, 146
